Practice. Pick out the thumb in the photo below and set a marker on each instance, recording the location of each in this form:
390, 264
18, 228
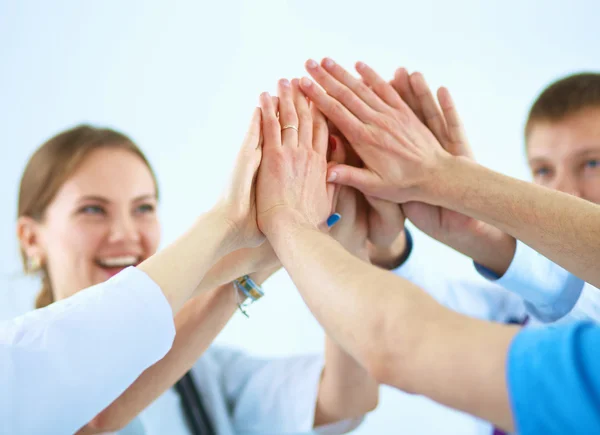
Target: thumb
360, 178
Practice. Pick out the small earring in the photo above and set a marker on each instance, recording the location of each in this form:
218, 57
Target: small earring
34, 264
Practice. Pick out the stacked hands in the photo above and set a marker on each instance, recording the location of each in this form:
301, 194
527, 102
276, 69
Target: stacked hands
373, 151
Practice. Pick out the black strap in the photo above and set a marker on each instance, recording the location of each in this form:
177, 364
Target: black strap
194, 411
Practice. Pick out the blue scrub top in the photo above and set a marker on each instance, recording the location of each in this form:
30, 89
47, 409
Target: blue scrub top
554, 379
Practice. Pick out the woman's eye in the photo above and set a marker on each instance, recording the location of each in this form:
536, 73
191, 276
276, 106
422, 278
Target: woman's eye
92, 210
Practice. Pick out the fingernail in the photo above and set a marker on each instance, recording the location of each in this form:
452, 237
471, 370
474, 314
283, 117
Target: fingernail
328, 63
333, 219
360, 66
306, 82
312, 64
332, 143
332, 176
285, 83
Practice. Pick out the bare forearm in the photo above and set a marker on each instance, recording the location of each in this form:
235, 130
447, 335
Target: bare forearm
347, 390
241, 262
197, 325
562, 227
396, 331
486, 245
461, 363
343, 292
179, 268
227, 269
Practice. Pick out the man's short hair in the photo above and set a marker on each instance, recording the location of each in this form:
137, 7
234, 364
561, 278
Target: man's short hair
565, 97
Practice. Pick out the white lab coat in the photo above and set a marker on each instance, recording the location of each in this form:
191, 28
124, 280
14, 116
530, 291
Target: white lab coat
63, 364
245, 395
533, 286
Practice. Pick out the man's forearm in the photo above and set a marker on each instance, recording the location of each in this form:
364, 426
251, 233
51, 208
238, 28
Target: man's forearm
562, 227
485, 245
334, 284
347, 390
362, 307
395, 330
462, 364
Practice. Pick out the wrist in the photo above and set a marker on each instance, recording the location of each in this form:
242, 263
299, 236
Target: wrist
280, 220
284, 229
499, 251
392, 256
223, 227
262, 258
446, 185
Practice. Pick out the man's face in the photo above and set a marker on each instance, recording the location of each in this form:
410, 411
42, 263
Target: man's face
565, 155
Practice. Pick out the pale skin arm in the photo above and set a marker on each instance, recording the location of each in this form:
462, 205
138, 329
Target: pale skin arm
562, 227
241, 262
198, 323
395, 330
404, 162
200, 320
231, 225
346, 390
504, 208
179, 268
179, 271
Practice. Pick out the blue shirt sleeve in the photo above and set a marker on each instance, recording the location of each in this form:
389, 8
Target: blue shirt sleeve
554, 379
550, 292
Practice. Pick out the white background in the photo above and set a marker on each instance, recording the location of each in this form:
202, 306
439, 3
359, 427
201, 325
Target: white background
183, 77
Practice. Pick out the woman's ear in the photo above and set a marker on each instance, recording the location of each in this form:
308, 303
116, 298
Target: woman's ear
28, 233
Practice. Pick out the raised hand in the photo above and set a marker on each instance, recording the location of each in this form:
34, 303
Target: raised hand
483, 242
292, 176
438, 222
238, 201
401, 156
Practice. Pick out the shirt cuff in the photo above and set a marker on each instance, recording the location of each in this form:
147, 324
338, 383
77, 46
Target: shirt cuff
339, 428
405, 269
550, 292
408, 249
